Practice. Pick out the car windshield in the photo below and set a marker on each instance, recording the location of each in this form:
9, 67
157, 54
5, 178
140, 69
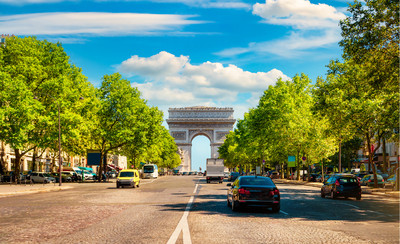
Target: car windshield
256, 181
126, 174
148, 169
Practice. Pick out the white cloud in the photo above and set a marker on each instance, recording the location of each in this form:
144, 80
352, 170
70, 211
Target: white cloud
92, 23
313, 26
21, 2
174, 81
223, 4
300, 14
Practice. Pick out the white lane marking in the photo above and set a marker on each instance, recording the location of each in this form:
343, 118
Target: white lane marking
351, 205
283, 212
183, 224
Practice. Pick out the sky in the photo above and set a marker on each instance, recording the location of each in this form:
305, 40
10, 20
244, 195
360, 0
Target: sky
182, 53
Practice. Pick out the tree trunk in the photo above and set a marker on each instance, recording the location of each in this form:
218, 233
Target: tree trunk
101, 166
17, 165
340, 155
322, 170
370, 159
2, 158
298, 166
384, 154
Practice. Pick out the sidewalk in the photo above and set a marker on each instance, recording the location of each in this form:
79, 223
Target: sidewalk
365, 189
7, 189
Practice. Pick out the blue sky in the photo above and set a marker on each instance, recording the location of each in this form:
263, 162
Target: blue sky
182, 53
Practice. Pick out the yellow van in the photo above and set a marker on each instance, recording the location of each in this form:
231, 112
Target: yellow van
128, 177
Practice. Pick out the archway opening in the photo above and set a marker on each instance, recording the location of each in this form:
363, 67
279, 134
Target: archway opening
201, 150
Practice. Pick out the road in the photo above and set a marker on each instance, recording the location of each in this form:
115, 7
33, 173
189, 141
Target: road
184, 209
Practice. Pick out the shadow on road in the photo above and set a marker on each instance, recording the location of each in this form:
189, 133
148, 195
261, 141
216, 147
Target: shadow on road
303, 204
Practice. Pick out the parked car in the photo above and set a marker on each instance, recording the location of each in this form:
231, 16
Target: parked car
368, 180
392, 180
253, 191
361, 175
233, 175
64, 177
342, 185
42, 177
313, 177
128, 177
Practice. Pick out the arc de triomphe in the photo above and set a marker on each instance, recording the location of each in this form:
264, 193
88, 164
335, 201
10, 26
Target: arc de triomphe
187, 123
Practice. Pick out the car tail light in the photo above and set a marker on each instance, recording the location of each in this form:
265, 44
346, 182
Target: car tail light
382, 180
274, 192
337, 183
369, 180
243, 191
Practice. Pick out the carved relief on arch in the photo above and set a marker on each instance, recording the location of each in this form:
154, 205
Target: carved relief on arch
207, 133
179, 135
221, 136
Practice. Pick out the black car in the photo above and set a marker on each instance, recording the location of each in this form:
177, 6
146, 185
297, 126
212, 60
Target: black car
342, 185
313, 177
253, 191
233, 176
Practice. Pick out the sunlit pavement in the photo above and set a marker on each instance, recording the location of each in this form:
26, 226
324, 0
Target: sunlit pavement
11, 189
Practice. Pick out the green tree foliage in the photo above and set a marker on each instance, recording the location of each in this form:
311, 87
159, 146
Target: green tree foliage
365, 84
118, 115
282, 124
36, 77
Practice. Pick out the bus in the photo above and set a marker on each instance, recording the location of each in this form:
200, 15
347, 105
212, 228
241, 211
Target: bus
150, 171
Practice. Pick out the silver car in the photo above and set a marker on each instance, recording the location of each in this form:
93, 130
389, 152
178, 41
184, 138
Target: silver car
42, 177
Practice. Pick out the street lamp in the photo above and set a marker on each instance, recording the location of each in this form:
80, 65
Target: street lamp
59, 139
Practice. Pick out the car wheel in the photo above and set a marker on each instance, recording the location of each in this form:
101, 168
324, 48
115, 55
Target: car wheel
333, 195
322, 193
276, 208
234, 206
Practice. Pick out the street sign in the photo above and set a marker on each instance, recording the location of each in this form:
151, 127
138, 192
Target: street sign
291, 161
303, 158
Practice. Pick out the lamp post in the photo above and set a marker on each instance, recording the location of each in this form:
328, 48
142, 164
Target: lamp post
60, 165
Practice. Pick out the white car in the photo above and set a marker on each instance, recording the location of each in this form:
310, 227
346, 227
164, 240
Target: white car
42, 177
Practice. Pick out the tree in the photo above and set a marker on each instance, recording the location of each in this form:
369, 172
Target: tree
367, 79
117, 116
36, 78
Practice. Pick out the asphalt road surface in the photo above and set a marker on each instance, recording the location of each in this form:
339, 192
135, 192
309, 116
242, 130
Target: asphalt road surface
184, 209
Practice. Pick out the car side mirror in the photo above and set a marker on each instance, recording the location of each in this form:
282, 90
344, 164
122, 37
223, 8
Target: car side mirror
229, 184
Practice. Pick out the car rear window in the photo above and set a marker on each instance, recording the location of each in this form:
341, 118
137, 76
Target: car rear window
256, 181
126, 174
347, 180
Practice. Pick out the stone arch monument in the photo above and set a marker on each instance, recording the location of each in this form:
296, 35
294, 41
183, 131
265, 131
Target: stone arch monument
187, 123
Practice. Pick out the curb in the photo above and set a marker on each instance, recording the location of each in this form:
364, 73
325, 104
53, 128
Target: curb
36, 190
